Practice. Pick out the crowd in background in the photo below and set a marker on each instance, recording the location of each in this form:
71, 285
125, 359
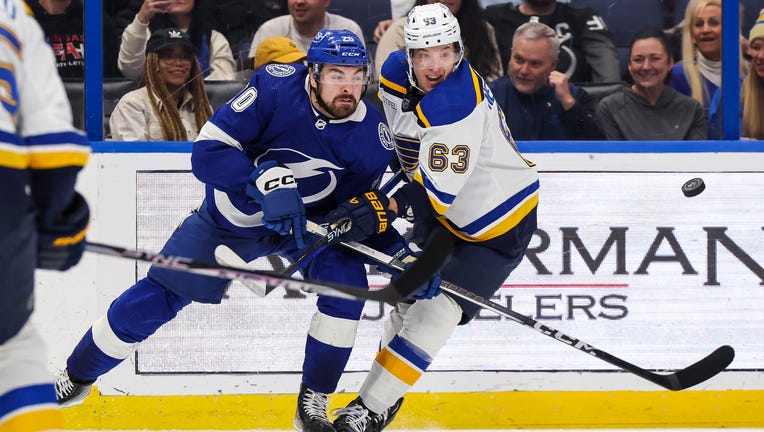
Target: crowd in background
566, 78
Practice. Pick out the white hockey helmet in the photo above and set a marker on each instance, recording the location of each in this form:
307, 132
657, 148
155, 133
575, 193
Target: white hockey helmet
431, 25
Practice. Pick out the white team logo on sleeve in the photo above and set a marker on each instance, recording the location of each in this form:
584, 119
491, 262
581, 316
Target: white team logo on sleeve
280, 70
385, 136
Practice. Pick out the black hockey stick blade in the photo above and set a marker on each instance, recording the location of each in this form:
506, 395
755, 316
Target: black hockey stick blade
692, 375
437, 250
699, 371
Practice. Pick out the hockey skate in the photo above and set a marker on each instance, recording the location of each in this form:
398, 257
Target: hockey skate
311, 411
70, 391
357, 418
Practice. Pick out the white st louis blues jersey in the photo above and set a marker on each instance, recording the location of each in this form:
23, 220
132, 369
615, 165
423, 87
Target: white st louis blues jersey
455, 142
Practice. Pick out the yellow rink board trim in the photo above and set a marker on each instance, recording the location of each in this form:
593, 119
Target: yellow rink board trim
479, 410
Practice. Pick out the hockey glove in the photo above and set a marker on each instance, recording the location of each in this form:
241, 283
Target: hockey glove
368, 214
60, 246
273, 187
408, 256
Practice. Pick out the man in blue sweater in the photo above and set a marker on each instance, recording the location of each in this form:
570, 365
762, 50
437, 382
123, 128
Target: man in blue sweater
539, 102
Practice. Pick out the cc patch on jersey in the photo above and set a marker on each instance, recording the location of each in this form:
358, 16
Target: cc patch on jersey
385, 136
280, 70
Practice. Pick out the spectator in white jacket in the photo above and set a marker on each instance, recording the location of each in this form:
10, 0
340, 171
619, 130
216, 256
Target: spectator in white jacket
305, 19
171, 103
213, 51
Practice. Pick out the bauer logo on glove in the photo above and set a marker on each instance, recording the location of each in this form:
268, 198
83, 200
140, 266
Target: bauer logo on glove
368, 214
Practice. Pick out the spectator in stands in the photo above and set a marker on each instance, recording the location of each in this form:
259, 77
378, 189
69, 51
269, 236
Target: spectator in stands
753, 88
117, 14
538, 101
587, 52
62, 23
171, 103
213, 52
478, 36
305, 19
699, 74
752, 96
650, 109
238, 20
277, 49
398, 9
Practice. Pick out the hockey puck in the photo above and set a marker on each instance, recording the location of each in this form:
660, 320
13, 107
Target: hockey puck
693, 187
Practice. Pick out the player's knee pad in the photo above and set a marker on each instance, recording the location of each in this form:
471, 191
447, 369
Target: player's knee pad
428, 324
394, 322
136, 314
333, 331
23, 360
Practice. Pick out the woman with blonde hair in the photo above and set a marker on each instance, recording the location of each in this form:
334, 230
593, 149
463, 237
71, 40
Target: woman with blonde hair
752, 95
699, 74
753, 87
171, 103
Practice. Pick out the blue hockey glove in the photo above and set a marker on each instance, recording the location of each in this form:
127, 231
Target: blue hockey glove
273, 187
428, 290
368, 213
408, 256
60, 246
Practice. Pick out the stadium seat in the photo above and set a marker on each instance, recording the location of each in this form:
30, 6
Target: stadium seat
113, 90
599, 91
220, 92
75, 92
624, 18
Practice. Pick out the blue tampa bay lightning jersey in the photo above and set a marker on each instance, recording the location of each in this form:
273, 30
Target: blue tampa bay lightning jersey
274, 119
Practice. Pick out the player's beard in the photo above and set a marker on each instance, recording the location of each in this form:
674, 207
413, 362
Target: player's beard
334, 110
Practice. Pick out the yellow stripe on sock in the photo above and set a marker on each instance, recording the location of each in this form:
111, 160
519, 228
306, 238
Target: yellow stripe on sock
400, 369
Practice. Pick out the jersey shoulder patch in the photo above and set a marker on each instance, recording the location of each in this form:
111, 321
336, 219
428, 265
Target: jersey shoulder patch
394, 77
453, 99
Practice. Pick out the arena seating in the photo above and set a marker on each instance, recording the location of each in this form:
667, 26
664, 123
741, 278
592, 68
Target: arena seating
219, 92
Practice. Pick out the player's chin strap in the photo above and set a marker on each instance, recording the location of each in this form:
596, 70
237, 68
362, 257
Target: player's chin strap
692, 375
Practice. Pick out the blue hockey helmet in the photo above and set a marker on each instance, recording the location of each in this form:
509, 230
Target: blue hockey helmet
338, 47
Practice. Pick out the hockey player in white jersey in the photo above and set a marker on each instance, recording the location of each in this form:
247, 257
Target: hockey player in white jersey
467, 175
43, 220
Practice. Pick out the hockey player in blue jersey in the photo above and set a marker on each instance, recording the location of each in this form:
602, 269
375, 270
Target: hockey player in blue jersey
43, 220
297, 142
468, 176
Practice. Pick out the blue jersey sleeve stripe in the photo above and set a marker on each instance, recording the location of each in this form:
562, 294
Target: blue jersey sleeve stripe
57, 138
509, 213
8, 36
440, 201
10, 138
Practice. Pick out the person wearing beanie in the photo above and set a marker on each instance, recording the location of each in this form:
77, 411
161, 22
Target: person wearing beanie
171, 103
277, 49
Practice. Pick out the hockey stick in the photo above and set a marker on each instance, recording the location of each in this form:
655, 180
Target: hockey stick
692, 375
437, 250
